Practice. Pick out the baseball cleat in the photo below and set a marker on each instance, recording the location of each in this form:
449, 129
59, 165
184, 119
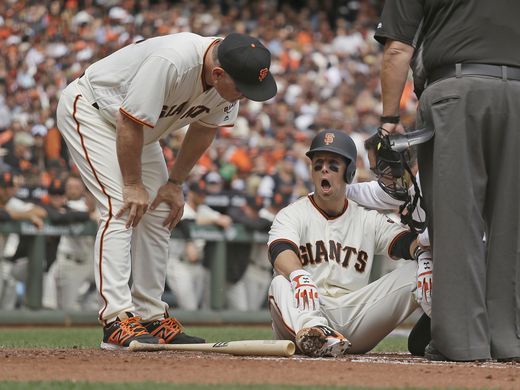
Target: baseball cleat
171, 331
125, 329
321, 341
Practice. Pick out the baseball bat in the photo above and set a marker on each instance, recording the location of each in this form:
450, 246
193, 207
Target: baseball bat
243, 347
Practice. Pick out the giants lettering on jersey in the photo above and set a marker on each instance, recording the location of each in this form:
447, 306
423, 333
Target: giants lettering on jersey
191, 112
335, 251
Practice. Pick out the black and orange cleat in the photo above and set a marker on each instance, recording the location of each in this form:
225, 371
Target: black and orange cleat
126, 328
321, 341
171, 331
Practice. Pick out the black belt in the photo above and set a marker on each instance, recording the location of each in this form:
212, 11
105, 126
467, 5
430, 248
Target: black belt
498, 71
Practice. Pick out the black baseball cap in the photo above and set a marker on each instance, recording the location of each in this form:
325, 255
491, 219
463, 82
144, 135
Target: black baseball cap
247, 61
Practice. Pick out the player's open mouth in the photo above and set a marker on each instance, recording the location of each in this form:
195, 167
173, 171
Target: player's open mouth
325, 185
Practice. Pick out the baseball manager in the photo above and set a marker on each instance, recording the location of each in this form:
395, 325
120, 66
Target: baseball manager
111, 119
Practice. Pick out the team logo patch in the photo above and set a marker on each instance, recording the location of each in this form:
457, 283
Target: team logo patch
329, 138
263, 74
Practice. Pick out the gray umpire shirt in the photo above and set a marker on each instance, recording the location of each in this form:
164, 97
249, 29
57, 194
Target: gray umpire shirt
469, 35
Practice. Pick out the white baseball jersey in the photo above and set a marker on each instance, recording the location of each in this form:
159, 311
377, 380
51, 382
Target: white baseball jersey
159, 82
337, 251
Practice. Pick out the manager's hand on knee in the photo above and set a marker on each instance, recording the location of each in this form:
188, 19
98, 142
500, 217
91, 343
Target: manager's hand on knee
135, 201
172, 195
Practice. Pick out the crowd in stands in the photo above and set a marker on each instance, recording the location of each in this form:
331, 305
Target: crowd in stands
324, 58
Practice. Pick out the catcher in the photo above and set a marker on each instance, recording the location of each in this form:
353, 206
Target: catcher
322, 248
397, 188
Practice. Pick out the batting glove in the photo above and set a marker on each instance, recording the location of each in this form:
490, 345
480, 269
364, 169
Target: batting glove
305, 291
423, 293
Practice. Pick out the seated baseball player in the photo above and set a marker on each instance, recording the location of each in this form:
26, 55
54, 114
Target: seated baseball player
322, 248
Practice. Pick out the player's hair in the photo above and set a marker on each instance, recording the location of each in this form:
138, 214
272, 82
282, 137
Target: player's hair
214, 54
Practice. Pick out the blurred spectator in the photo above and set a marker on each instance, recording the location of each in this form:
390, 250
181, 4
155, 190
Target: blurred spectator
72, 273
259, 272
245, 213
17, 209
185, 274
14, 208
323, 56
39, 133
21, 158
284, 180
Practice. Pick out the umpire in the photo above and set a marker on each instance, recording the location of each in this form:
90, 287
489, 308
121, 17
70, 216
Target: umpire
465, 56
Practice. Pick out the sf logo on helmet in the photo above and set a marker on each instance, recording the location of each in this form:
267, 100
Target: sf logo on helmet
329, 138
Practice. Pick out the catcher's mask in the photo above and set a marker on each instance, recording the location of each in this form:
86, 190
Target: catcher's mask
337, 142
391, 173
395, 177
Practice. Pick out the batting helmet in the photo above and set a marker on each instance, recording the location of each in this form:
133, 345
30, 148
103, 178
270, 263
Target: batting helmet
336, 141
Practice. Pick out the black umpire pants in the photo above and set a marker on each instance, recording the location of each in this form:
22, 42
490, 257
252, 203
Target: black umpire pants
470, 175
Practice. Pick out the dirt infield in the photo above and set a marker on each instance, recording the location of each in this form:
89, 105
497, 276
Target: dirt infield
378, 370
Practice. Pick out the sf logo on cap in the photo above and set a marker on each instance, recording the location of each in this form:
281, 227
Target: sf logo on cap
329, 138
263, 74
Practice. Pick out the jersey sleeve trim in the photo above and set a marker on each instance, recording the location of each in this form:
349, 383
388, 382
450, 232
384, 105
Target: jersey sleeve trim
394, 242
133, 118
382, 37
287, 244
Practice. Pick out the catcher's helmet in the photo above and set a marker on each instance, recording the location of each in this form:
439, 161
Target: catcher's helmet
336, 141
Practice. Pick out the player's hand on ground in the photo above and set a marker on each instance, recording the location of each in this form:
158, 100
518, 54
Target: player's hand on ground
135, 202
172, 195
424, 281
305, 290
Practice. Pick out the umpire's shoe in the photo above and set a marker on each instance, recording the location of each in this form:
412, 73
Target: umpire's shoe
433, 354
125, 329
321, 341
171, 331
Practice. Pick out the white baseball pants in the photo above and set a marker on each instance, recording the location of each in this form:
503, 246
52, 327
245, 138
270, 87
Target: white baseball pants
364, 316
139, 253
